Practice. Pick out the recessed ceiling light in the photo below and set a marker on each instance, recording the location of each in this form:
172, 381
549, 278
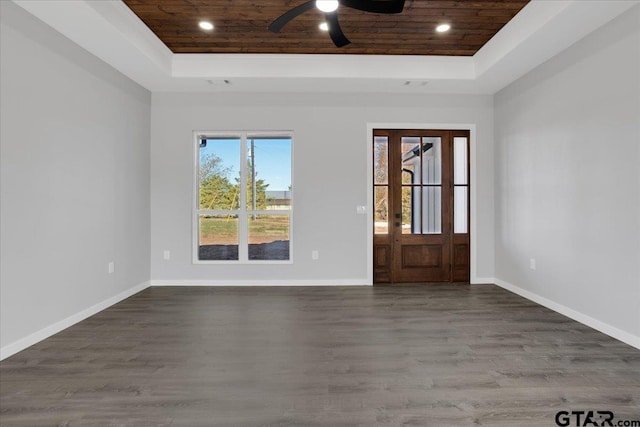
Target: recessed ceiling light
442, 28
324, 26
207, 26
327, 5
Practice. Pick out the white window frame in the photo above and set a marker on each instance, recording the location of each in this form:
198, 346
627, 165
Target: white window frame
243, 213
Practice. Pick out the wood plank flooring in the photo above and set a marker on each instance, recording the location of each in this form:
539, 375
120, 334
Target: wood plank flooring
440, 355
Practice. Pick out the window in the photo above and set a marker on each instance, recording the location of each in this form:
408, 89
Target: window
243, 206
460, 185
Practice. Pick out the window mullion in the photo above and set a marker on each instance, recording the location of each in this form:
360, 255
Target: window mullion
243, 221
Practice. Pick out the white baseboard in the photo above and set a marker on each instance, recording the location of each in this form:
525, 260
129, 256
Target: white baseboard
596, 324
482, 280
345, 282
40, 335
11, 349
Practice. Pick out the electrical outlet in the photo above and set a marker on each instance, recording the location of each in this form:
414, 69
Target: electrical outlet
111, 267
166, 255
314, 255
532, 263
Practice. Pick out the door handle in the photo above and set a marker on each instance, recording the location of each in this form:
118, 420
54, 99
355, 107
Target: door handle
397, 224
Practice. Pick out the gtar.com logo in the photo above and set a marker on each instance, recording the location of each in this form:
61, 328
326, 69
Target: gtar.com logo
592, 418
584, 418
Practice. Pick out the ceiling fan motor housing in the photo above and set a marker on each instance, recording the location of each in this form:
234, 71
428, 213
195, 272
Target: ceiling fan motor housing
330, 10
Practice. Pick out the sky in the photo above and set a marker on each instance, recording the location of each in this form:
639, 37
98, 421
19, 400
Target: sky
273, 159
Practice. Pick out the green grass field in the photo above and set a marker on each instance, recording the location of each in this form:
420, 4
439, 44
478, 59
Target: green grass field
219, 226
219, 230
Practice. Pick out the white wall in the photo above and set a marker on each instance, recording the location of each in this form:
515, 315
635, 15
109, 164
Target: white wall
330, 176
74, 149
568, 180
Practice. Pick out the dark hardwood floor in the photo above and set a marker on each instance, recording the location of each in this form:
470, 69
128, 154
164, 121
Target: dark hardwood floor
442, 355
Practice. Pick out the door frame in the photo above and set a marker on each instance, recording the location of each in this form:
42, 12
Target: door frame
472, 182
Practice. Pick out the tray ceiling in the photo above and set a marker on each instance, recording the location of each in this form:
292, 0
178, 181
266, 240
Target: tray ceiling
114, 33
241, 27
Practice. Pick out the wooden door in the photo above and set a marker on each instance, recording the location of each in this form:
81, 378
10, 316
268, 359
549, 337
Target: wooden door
421, 206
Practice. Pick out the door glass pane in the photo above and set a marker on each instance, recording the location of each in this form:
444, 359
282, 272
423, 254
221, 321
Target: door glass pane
218, 237
460, 160
219, 173
432, 210
460, 210
269, 237
410, 160
411, 210
268, 173
380, 160
381, 209
431, 160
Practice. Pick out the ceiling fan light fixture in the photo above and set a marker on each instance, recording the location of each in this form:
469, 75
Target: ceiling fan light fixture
329, 8
443, 28
324, 26
327, 5
205, 25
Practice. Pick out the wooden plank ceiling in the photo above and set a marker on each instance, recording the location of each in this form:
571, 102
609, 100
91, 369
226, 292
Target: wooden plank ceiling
241, 27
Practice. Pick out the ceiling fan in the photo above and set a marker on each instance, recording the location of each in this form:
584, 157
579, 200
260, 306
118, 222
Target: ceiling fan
330, 10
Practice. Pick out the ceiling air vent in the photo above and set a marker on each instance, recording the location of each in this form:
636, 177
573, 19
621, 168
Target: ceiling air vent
415, 83
219, 82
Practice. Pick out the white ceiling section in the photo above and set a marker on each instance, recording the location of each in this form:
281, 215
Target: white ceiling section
112, 32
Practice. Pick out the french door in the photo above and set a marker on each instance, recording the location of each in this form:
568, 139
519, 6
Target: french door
421, 206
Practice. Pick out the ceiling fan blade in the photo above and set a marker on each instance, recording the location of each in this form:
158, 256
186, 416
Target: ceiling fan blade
283, 20
338, 37
375, 6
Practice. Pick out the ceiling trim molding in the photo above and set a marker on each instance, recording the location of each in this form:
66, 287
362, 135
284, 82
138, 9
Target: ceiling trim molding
112, 32
322, 66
